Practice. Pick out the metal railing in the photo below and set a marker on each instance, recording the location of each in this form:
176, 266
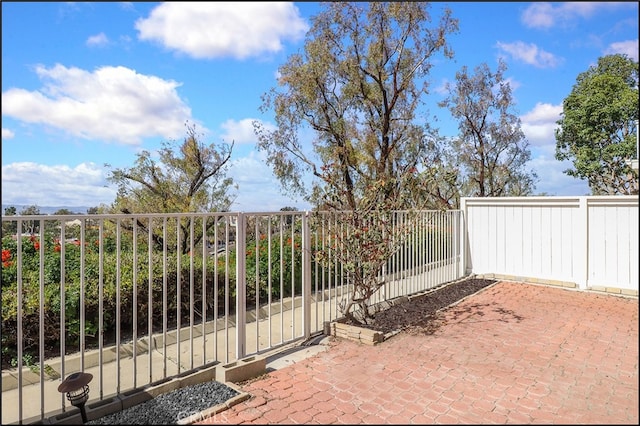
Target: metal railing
141, 298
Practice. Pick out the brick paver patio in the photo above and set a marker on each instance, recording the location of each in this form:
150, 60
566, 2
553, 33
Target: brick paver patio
514, 353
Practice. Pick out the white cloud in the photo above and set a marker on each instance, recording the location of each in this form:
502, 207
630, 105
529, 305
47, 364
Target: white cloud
628, 47
98, 40
530, 54
539, 15
85, 185
241, 132
441, 88
513, 84
552, 179
223, 29
127, 5
30, 183
111, 103
258, 188
539, 124
547, 15
7, 134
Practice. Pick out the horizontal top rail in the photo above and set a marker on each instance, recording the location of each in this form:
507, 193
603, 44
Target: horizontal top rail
71, 217
624, 200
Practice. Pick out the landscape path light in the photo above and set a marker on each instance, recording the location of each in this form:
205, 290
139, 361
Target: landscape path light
76, 386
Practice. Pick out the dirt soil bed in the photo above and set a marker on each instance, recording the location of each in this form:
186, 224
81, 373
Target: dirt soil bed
418, 314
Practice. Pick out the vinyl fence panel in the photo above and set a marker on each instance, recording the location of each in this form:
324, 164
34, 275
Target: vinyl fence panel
591, 242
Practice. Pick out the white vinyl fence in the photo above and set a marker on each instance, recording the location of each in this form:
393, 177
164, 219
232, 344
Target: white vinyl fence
590, 241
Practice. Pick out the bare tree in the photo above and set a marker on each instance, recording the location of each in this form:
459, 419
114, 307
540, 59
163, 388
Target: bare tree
191, 178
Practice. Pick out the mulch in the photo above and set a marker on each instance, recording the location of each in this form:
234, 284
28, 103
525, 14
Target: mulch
419, 313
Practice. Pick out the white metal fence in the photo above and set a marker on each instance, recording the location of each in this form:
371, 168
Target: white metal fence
137, 299
589, 241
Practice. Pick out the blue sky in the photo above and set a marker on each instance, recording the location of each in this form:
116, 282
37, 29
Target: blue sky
84, 84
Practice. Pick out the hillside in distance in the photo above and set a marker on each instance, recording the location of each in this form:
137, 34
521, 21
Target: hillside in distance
47, 209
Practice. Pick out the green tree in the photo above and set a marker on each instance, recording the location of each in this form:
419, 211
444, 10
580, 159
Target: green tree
10, 211
597, 130
491, 149
439, 176
188, 178
31, 210
357, 86
63, 212
9, 228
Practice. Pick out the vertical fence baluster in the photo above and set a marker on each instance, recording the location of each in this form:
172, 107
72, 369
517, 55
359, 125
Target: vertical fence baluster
150, 298
134, 222
41, 311
203, 291
269, 278
164, 297
178, 291
118, 295
191, 288
82, 287
241, 285
100, 306
63, 302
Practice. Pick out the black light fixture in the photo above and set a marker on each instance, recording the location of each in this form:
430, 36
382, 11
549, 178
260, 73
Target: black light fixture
76, 386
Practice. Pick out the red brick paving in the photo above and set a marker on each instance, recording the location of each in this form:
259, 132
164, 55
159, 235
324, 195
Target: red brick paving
514, 353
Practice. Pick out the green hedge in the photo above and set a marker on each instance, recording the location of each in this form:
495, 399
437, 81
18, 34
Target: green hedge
216, 269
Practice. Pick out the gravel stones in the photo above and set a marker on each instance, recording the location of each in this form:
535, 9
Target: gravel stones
170, 407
